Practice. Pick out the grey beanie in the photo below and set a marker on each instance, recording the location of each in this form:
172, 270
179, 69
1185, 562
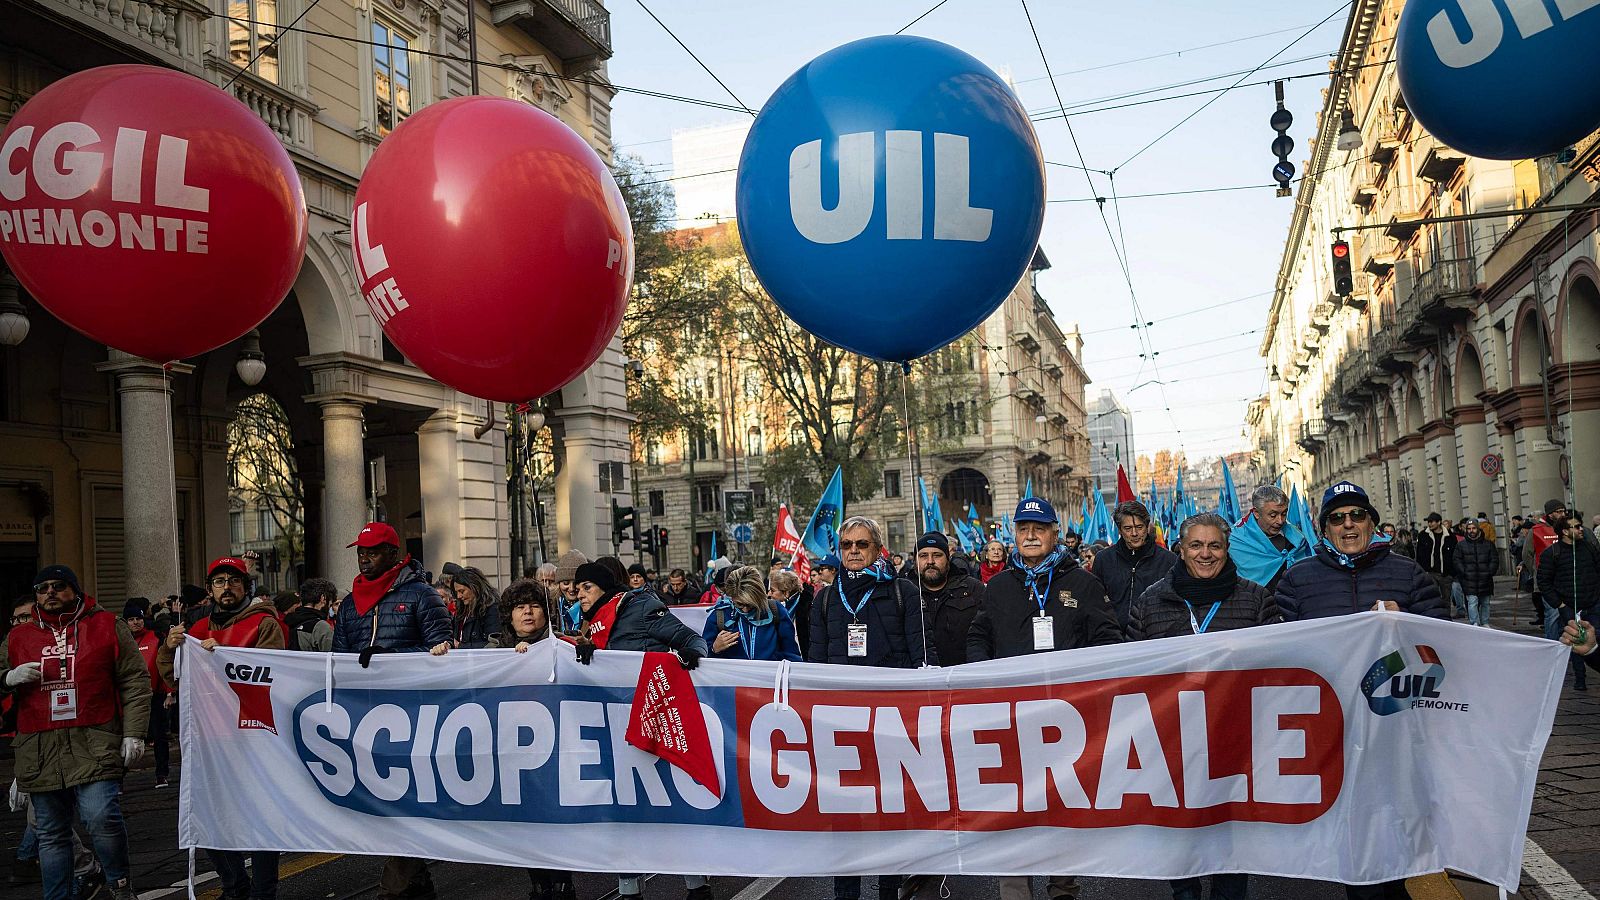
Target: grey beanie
568, 563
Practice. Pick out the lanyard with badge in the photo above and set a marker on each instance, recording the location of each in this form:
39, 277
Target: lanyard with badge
1044, 631
64, 693
1201, 626
855, 632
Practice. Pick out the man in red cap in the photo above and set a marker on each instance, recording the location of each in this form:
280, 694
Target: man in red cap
234, 622
391, 608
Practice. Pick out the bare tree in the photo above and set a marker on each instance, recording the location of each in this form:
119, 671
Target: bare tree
262, 471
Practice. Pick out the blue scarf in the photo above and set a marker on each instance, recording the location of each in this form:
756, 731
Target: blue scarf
1257, 558
1046, 567
862, 583
1379, 540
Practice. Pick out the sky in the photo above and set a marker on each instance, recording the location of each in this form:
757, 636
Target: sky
1201, 266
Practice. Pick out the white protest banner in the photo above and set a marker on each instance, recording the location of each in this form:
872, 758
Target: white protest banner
693, 616
1358, 749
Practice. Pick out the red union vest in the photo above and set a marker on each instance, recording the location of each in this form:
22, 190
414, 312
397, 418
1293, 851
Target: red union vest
241, 632
88, 669
603, 622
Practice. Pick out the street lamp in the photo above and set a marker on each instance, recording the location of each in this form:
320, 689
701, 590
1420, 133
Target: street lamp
1349, 134
13, 317
252, 365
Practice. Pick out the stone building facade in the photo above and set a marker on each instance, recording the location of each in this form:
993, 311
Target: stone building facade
117, 468
1466, 345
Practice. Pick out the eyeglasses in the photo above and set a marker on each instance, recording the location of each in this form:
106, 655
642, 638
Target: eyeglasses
46, 587
1355, 515
855, 545
22, 618
225, 580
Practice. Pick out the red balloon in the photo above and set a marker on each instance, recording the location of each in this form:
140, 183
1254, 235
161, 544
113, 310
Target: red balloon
149, 210
493, 246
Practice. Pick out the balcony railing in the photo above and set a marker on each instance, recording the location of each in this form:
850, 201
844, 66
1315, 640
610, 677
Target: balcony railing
1447, 287
576, 31
1313, 436
1400, 210
171, 31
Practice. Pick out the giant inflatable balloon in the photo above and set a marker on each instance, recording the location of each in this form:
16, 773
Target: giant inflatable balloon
493, 247
1501, 79
149, 210
890, 195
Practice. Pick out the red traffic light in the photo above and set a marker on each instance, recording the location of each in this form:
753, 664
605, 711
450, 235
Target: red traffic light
1341, 249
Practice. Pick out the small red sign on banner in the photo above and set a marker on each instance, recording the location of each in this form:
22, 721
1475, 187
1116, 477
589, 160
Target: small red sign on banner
667, 721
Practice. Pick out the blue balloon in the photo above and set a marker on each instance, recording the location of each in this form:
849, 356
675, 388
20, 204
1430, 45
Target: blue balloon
890, 195
1502, 79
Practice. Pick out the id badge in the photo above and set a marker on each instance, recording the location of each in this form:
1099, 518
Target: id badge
856, 640
63, 704
1044, 633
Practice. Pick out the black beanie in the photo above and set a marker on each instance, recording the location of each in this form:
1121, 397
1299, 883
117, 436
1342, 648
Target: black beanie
598, 575
936, 540
58, 573
138, 606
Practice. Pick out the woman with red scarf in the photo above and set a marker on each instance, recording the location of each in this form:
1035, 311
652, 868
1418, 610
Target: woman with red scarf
615, 618
994, 561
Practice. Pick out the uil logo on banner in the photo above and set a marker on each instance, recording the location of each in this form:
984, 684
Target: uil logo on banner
1408, 678
253, 685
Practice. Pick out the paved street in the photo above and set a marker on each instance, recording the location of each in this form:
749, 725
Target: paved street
1564, 829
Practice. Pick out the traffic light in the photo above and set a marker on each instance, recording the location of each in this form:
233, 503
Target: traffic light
1282, 145
1344, 283
647, 542
661, 539
624, 522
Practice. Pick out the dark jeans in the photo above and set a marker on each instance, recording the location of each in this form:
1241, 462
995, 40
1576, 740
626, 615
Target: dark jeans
99, 805
1224, 886
850, 888
259, 882
156, 736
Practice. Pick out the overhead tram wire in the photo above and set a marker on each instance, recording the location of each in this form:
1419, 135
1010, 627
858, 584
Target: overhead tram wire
508, 67
1181, 122
926, 13
1154, 56
696, 58
1035, 115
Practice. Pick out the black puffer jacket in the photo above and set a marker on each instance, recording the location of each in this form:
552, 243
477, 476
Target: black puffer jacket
1330, 584
1075, 601
893, 617
1476, 564
1127, 574
1436, 552
1160, 612
950, 611
1569, 575
643, 623
410, 618
473, 630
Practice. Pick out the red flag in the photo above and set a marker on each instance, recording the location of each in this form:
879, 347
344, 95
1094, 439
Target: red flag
785, 538
1124, 489
801, 564
666, 720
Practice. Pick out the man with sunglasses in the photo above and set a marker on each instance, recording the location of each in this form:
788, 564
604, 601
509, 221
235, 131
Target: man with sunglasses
83, 703
1353, 572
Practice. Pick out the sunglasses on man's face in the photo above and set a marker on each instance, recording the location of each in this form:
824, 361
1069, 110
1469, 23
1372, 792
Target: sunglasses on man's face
47, 587
1354, 515
855, 545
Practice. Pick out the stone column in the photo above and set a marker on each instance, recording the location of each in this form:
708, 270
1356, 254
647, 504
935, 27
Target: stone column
150, 537
1441, 451
440, 473
344, 484
1577, 391
578, 517
1390, 456
1541, 460
1414, 465
1512, 501
213, 474
1473, 440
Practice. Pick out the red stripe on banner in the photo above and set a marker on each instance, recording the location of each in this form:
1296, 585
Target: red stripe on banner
1427, 654
1183, 750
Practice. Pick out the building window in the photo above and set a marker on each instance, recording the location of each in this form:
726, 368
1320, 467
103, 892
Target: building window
710, 498
757, 443
236, 527
897, 534
251, 29
758, 494
658, 504
705, 443
891, 483
611, 478
391, 73
652, 453
266, 525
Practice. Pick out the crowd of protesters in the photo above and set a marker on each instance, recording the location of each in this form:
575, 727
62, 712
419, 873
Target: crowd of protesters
81, 726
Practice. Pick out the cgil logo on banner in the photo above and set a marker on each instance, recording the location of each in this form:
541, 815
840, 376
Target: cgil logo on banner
1181, 750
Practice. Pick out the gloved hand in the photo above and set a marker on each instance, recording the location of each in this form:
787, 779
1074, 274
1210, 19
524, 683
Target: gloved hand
585, 652
689, 658
27, 673
132, 751
367, 653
